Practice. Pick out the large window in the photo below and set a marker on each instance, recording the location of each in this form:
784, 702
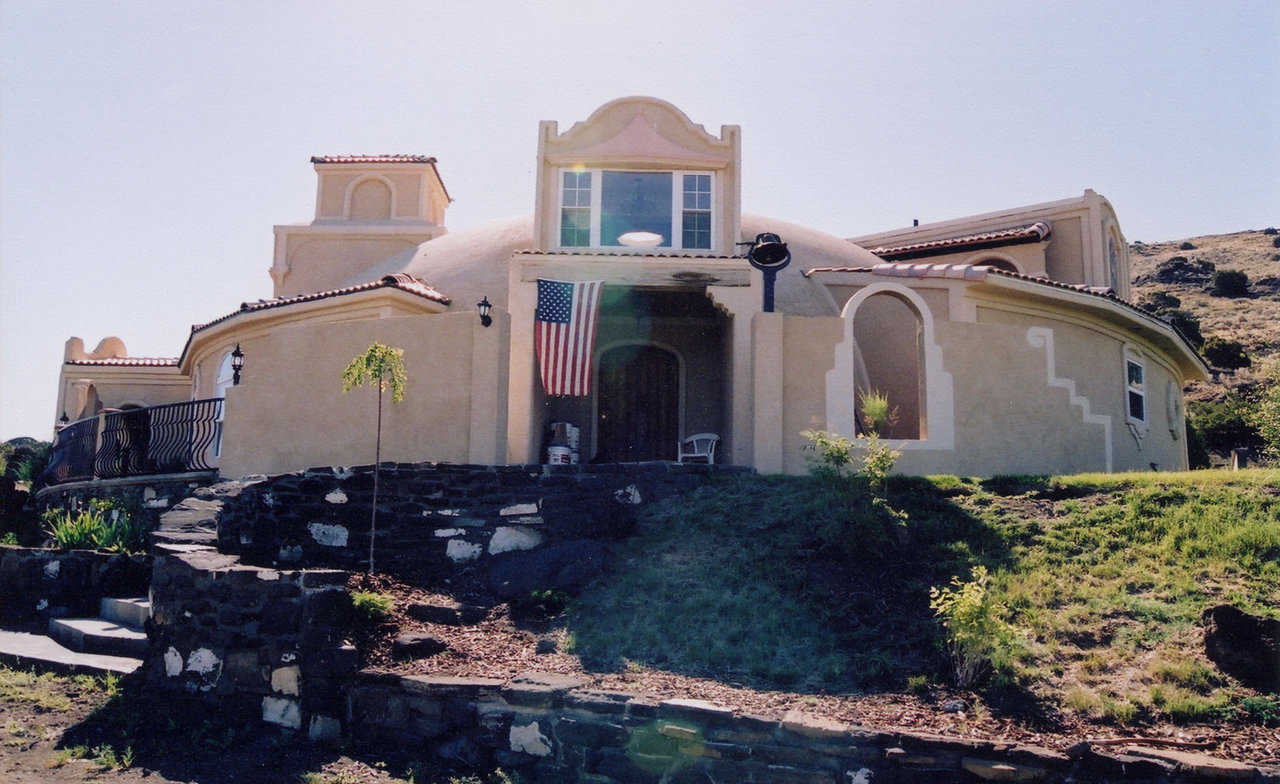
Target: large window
598, 207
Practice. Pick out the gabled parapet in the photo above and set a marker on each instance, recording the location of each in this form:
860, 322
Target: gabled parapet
643, 135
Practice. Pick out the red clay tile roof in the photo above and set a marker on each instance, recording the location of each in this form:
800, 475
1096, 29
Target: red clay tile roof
622, 254
406, 158
1032, 232
398, 280
127, 361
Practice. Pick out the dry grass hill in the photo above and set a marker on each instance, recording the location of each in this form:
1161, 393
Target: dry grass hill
1186, 269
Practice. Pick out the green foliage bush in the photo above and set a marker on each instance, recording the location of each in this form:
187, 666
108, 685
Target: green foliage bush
1223, 353
1186, 323
1159, 302
1230, 283
372, 606
1225, 424
982, 643
105, 524
1265, 416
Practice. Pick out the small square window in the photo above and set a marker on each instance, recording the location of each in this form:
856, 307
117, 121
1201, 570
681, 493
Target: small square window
1135, 391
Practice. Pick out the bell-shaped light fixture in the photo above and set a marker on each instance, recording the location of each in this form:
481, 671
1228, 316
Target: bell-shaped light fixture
768, 254
237, 365
483, 307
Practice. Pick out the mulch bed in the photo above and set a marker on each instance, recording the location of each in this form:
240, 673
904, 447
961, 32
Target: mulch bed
504, 645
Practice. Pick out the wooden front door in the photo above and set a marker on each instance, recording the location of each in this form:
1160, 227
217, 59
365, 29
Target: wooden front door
638, 405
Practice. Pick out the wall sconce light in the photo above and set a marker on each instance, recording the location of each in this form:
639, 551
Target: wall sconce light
237, 364
483, 307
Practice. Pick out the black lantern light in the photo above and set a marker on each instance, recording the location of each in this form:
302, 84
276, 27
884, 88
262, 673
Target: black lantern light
237, 364
483, 307
768, 254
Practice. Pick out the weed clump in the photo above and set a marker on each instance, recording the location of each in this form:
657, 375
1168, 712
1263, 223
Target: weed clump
982, 643
371, 606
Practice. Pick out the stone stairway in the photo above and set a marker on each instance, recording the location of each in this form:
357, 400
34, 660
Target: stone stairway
117, 631
115, 641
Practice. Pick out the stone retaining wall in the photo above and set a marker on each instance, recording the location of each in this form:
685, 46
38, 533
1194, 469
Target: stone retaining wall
257, 642
437, 513
550, 729
40, 583
147, 496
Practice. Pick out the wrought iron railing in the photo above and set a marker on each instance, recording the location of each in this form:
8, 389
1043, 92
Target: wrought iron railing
171, 438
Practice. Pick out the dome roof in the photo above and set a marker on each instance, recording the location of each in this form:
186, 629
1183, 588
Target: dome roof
469, 264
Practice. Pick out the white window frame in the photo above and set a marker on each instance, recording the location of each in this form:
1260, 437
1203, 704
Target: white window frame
677, 210
1134, 358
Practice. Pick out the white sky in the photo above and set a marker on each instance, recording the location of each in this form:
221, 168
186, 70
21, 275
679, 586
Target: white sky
146, 149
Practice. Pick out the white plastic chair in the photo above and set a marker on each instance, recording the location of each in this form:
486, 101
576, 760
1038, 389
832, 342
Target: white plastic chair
698, 447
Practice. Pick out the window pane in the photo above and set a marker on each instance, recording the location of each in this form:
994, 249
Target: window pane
1137, 406
575, 227
1135, 374
697, 230
635, 201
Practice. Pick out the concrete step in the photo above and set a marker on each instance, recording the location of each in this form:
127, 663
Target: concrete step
37, 649
126, 612
95, 635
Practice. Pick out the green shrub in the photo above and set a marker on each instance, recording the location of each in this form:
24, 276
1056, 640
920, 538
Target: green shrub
1261, 710
105, 524
1159, 302
1197, 454
877, 414
1225, 424
1223, 353
878, 462
1230, 283
832, 454
1187, 324
981, 642
1265, 416
372, 606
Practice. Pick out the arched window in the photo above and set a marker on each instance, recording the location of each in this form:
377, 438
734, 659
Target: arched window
224, 381
889, 334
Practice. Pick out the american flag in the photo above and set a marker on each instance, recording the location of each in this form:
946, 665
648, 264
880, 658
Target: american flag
564, 334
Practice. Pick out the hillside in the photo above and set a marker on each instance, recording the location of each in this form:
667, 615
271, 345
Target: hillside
767, 594
1254, 320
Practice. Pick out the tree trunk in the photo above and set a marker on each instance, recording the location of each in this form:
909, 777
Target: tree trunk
377, 460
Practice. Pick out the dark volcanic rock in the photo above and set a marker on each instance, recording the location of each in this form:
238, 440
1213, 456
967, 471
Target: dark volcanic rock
416, 645
1179, 269
600, 515
449, 614
565, 566
1244, 646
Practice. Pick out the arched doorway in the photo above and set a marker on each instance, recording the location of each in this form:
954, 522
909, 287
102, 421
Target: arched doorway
637, 404
888, 331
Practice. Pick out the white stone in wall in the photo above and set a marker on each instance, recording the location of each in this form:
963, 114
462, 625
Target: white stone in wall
282, 711
52, 568
448, 512
284, 680
462, 550
444, 533
156, 503
172, 662
268, 499
43, 604
336, 496
628, 495
328, 535
202, 661
342, 472
530, 740
860, 776
148, 493
519, 509
507, 538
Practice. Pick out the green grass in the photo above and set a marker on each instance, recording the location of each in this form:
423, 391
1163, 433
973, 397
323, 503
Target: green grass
789, 582
372, 606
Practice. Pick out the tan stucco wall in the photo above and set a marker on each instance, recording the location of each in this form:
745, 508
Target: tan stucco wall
1064, 256
116, 387
322, 263
1013, 412
290, 412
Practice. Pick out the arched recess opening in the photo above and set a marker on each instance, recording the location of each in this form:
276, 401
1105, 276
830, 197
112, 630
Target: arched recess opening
370, 199
638, 396
888, 332
224, 381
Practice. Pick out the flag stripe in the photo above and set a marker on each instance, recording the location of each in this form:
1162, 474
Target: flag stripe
564, 334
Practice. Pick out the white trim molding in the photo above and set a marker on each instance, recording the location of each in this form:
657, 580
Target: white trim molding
1042, 337
940, 406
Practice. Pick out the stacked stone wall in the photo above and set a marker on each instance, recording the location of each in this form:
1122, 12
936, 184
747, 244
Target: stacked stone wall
437, 513
257, 642
550, 729
38, 583
148, 497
